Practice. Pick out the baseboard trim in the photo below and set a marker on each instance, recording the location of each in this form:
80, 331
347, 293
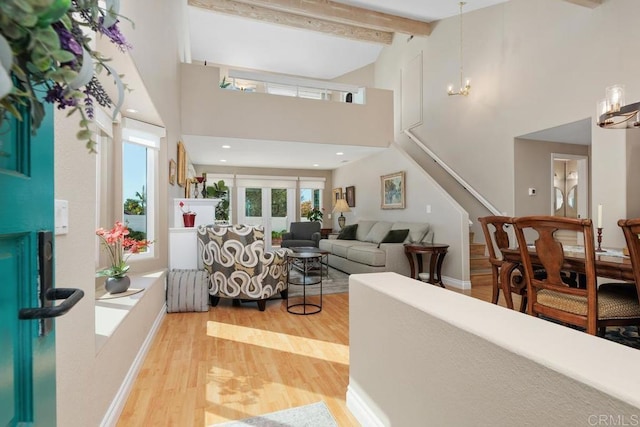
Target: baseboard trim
456, 283
360, 410
117, 405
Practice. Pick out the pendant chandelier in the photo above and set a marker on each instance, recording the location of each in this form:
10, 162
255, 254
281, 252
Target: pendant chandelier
464, 88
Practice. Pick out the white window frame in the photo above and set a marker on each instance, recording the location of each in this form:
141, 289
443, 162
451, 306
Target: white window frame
149, 136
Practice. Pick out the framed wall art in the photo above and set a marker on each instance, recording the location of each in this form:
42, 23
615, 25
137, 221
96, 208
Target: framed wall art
350, 195
337, 195
393, 191
172, 172
182, 165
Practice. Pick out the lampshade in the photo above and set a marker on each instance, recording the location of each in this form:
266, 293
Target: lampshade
341, 206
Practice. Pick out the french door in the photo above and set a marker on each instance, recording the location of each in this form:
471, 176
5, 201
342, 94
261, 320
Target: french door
270, 207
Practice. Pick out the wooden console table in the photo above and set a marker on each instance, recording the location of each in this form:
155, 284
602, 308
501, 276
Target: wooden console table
437, 252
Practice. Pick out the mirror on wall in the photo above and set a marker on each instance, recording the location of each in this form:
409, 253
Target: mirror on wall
565, 183
559, 200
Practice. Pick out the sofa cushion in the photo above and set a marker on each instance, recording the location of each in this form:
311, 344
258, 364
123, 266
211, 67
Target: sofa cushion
378, 231
340, 247
395, 236
368, 254
417, 230
364, 226
348, 232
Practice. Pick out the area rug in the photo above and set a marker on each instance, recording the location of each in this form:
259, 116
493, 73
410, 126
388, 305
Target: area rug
626, 335
313, 415
333, 282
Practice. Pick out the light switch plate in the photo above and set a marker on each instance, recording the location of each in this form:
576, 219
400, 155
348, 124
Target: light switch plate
62, 216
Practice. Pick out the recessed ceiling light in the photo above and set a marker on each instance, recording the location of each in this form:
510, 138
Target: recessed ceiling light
131, 110
339, 153
223, 160
226, 146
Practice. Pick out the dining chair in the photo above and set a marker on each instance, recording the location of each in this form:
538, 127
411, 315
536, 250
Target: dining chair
590, 308
631, 231
497, 238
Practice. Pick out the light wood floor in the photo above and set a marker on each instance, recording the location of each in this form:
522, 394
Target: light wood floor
237, 362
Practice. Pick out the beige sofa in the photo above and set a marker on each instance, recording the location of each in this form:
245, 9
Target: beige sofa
366, 254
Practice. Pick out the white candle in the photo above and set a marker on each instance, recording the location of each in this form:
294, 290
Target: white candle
599, 216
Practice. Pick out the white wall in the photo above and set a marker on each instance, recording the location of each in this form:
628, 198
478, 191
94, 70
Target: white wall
87, 380
444, 359
446, 215
533, 65
209, 110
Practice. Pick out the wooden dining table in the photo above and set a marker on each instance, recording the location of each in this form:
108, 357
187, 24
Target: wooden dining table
611, 264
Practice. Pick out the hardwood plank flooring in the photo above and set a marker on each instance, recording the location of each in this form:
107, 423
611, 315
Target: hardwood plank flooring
237, 362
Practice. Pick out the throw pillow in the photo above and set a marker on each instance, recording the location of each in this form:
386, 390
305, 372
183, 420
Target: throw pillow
378, 231
395, 236
348, 232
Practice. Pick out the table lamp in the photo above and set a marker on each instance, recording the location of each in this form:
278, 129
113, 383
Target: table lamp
341, 206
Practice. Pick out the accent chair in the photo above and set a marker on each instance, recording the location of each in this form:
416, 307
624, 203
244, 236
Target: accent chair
239, 266
302, 234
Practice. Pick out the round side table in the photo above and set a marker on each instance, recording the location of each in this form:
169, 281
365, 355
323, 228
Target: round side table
437, 252
309, 266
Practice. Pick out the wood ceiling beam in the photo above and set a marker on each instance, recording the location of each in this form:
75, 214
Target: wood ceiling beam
586, 3
264, 14
345, 14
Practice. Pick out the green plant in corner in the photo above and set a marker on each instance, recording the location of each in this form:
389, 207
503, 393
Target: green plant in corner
220, 191
315, 215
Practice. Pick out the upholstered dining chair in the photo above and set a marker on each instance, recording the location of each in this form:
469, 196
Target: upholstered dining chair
631, 231
590, 308
239, 266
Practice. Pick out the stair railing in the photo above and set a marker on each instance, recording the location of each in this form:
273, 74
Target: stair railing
453, 174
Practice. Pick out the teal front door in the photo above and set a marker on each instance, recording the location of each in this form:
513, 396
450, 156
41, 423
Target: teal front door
27, 347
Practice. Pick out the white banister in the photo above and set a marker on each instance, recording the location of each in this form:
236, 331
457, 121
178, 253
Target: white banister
453, 173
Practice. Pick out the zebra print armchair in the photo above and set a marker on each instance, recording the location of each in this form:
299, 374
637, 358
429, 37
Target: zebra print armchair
239, 266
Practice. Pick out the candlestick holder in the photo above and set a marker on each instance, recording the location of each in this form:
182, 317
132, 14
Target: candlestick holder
599, 249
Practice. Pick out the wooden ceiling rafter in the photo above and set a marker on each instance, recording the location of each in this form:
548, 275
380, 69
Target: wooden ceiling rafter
345, 14
320, 15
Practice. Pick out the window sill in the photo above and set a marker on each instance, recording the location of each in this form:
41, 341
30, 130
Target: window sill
111, 313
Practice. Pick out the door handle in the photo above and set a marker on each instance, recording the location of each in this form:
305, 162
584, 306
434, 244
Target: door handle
71, 296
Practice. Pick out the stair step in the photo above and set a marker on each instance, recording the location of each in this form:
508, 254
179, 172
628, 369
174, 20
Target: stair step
481, 277
477, 248
479, 262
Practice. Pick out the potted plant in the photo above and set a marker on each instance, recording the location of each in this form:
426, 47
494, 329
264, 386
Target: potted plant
315, 215
188, 216
119, 248
220, 191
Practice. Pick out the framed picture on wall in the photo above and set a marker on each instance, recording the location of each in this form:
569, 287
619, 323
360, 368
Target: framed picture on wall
393, 191
187, 189
337, 195
182, 165
172, 172
350, 195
